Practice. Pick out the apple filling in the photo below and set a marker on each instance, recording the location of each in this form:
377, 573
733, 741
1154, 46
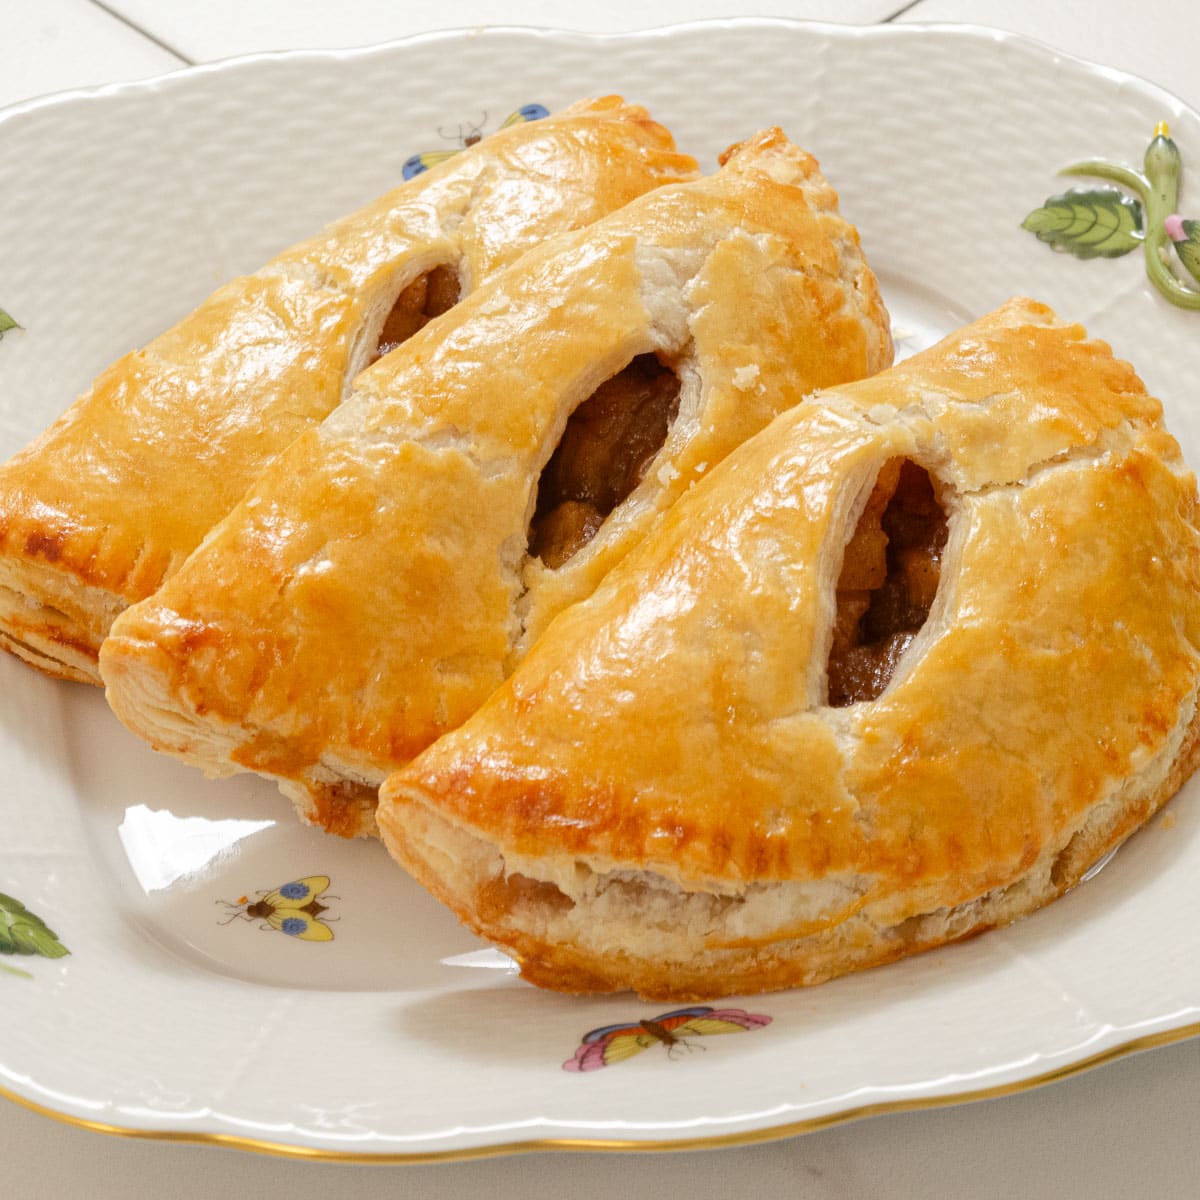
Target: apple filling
608, 445
888, 582
428, 296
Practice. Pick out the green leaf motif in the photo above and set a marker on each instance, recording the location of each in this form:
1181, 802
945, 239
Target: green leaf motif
1089, 223
1189, 249
6, 323
23, 932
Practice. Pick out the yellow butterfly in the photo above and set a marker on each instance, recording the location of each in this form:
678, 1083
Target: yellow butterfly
613, 1043
420, 163
292, 908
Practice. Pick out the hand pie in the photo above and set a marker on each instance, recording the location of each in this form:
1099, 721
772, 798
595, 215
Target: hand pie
899, 670
382, 577
102, 507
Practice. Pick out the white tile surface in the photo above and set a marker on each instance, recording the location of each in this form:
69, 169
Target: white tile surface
1159, 41
52, 45
232, 27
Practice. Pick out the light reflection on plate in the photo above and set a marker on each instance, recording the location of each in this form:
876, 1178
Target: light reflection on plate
163, 848
489, 957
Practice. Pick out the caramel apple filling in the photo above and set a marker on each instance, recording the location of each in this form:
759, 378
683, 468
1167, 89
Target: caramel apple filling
888, 582
609, 443
428, 296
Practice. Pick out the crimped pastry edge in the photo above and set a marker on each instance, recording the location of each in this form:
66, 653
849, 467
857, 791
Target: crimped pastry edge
472, 876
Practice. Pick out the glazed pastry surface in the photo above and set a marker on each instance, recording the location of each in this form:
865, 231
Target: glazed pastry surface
376, 583
662, 798
100, 509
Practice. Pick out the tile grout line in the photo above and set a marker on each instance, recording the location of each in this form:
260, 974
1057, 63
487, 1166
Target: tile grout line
119, 16
887, 20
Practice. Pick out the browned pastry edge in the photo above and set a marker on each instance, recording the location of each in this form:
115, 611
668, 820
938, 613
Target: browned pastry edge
54, 653
771, 965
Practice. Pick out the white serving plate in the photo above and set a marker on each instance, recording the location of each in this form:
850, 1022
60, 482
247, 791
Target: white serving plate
403, 1037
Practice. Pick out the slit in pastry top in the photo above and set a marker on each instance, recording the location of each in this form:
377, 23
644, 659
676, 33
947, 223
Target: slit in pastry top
888, 581
609, 443
431, 294
106, 504
376, 583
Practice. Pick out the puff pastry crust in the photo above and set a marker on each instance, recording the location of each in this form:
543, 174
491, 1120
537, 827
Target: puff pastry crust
110, 500
661, 798
375, 584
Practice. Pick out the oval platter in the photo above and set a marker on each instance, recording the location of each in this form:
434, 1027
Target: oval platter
151, 987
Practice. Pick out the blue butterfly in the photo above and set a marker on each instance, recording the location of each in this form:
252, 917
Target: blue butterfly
419, 163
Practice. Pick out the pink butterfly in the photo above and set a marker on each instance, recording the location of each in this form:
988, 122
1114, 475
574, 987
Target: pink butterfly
612, 1043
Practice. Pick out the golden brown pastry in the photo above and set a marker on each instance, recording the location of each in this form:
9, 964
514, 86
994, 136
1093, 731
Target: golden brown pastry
996, 545
110, 500
391, 567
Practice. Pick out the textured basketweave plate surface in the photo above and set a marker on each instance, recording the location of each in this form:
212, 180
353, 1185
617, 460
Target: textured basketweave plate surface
404, 1036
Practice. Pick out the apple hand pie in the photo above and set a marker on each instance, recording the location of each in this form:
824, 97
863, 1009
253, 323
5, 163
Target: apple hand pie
901, 669
391, 567
102, 507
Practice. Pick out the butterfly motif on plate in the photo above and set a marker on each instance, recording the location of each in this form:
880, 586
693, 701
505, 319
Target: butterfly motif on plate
674, 1030
419, 163
293, 908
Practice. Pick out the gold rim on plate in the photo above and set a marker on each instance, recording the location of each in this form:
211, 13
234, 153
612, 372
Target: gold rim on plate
750, 1137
